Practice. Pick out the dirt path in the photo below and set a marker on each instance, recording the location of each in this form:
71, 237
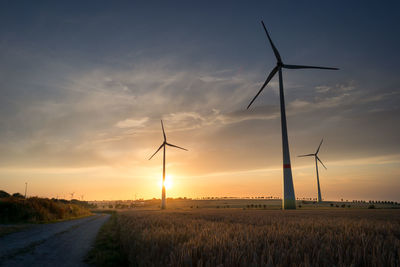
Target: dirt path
58, 244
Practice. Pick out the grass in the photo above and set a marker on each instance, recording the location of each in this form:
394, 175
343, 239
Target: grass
237, 237
107, 249
38, 210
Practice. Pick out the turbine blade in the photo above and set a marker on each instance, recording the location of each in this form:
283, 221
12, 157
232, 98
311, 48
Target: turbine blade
176, 146
307, 67
265, 84
157, 151
162, 126
322, 140
278, 57
321, 162
307, 155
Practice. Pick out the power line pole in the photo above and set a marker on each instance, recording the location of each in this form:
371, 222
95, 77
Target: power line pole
26, 187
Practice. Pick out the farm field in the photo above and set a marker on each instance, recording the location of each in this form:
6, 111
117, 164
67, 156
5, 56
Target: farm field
256, 237
276, 204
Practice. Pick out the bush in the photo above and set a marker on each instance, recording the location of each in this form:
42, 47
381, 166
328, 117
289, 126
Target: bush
34, 210
4, 194
18, 195
371, 206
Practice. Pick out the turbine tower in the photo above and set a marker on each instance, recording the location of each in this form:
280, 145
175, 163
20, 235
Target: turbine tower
163, 145
289, 199
315, 155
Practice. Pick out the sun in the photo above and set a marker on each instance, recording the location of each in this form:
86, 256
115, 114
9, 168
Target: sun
168, 182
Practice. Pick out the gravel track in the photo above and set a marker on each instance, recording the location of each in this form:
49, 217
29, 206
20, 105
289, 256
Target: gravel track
56, 244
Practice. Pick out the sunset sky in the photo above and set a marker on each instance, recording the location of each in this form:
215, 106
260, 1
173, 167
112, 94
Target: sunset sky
84, 86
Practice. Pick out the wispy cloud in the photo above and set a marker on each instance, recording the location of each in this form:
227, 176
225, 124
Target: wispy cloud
132, 123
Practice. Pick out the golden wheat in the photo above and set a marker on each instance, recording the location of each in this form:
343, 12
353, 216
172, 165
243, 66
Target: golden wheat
261, 238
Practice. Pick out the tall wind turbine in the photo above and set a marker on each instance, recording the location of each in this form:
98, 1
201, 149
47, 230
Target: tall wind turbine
315, 155
163, 145
289, 200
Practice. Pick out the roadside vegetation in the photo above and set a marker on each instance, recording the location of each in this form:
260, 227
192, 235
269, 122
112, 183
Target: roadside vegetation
237, 237
17, 209
107, 250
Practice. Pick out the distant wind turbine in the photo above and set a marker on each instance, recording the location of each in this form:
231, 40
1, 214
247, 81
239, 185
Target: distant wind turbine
163, 204
289, 200
315, 155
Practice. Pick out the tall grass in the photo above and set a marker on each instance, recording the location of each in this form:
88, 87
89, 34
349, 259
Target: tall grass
260, 238
35, 210
107, 248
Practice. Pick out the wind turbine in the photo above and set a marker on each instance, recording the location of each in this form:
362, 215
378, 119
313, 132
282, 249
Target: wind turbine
316, 167
163, 145
289, 200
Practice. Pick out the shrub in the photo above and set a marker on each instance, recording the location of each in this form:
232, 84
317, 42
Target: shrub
34, 210
18, 195
4, 194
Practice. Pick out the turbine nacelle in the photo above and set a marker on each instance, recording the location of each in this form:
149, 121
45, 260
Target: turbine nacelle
165, 143
280, 65
315, 155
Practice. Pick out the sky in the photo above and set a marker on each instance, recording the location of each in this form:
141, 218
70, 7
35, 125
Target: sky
84, 85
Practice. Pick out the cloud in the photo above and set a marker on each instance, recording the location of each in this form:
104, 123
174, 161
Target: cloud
107, 113
322, 89
132, 123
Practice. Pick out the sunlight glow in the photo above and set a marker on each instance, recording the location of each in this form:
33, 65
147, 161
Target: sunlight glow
167, 183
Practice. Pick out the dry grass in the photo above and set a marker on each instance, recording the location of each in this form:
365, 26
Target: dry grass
260, 237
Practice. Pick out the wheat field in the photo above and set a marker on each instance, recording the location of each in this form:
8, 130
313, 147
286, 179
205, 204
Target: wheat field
236, 237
